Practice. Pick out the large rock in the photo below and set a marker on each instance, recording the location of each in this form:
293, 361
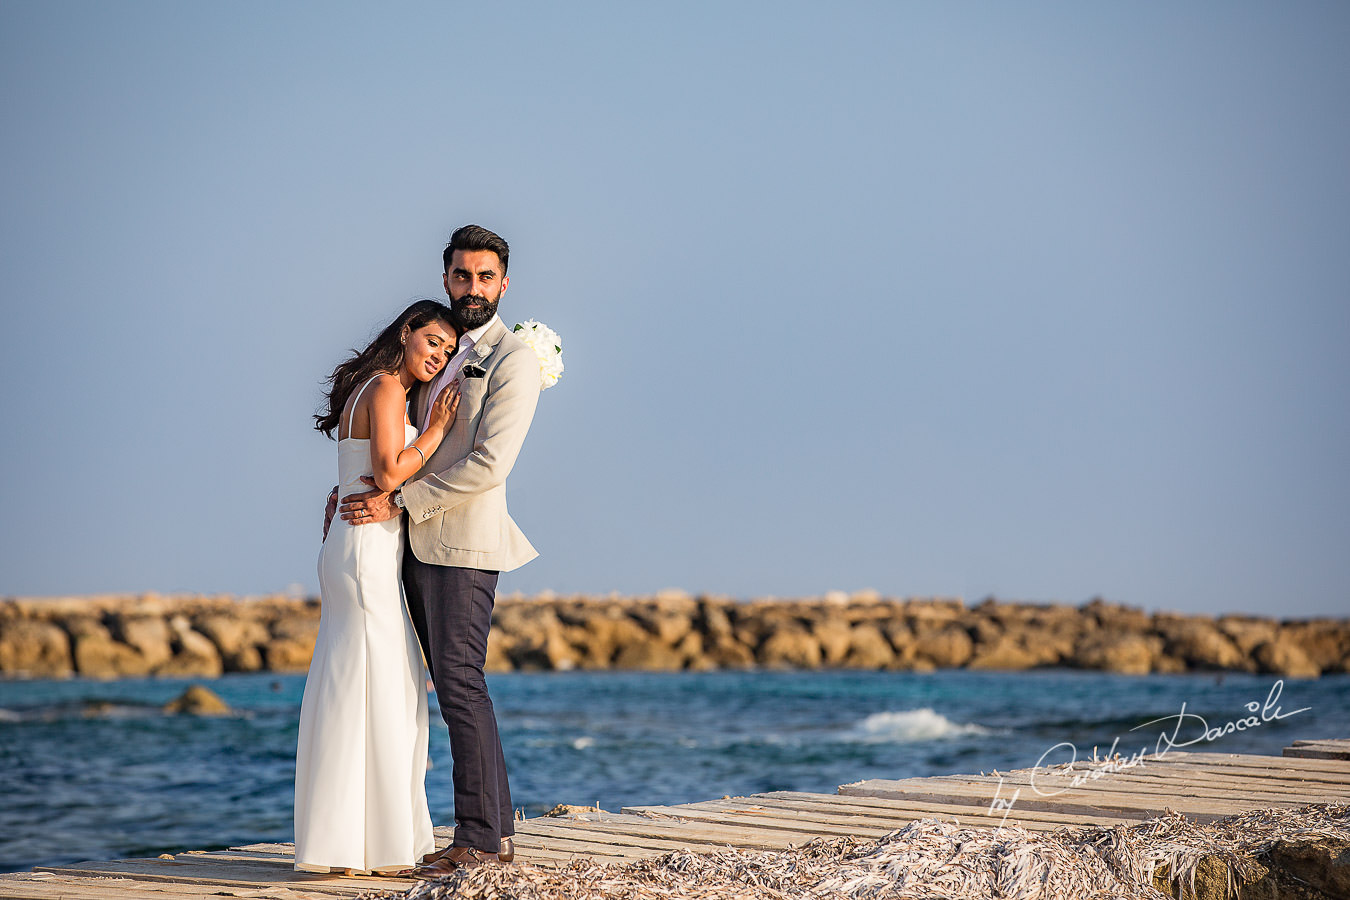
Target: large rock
34, 649
946, 648
497, 659
193, 653
1299, 867
538, 641
649, 654
98, 655
1200, 643
291, 645
669, 619
868, 648
148, 634
1129, 654
287, 654
755, 622
690, 649
1005, 652
198, 701
1324, 641
1116, 617
728, 653
1282, 656
602, 635
835, 637
1246, 632
714, 619
789, 646
237, 639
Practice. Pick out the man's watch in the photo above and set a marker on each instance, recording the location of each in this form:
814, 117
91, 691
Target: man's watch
398, 498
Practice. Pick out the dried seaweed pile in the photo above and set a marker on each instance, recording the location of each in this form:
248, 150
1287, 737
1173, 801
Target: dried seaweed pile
927, 859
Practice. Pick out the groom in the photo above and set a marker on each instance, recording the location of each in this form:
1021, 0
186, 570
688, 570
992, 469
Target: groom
461, 537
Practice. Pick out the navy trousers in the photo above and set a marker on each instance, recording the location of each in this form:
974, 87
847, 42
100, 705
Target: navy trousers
452, 610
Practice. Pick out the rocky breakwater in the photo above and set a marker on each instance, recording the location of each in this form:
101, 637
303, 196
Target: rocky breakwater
673, 631
110, 637
150, 634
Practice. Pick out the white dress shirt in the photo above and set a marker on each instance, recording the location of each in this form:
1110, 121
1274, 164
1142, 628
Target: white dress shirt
456, 363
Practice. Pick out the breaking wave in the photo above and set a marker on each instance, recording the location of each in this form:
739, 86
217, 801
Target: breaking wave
909, 725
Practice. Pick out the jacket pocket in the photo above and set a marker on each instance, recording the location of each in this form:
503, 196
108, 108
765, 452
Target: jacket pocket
471, 394
475, 525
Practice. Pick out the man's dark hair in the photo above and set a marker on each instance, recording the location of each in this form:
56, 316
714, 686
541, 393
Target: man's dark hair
476, 237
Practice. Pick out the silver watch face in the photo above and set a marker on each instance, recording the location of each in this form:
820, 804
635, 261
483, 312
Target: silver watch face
398, 499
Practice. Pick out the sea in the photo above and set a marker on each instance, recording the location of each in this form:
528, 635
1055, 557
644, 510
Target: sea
94, 769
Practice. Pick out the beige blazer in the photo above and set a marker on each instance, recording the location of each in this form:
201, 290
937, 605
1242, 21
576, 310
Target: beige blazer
456, 503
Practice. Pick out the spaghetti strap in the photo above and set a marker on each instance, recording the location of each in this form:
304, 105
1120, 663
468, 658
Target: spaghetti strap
359, 392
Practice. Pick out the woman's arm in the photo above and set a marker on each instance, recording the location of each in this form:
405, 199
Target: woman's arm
392, 464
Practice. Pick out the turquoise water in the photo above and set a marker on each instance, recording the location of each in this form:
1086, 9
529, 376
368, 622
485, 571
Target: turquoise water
91, 770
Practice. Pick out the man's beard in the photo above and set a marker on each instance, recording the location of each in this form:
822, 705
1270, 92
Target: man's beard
469, 319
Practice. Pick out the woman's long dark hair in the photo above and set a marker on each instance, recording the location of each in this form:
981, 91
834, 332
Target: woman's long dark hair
383, 354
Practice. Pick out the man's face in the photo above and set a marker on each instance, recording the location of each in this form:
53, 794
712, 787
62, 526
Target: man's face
474, 283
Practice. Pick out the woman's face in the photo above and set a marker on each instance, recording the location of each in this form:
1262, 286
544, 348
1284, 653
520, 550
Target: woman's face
428, 349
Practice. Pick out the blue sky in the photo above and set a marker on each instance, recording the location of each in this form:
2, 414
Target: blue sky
1040, 301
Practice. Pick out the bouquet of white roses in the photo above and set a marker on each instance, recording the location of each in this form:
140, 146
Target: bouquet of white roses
546, 344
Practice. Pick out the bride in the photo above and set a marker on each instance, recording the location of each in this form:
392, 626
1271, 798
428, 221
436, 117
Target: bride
360, 800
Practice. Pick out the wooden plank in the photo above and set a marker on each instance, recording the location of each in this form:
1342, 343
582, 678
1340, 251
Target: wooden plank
568, 845
986, 785
263, 857
890, 810
1292, 778
1111, 803
1323, 749
546, 834
966, 816
239, 875
1123, 782
1332, 767
690, 836
937, 810
741, 835
288, 849
1235, 780
120, 889
1086, 798
98, 888
698, 813
1314, 781
854, 824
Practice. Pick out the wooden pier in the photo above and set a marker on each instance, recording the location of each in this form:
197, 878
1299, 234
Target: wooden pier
1203, 786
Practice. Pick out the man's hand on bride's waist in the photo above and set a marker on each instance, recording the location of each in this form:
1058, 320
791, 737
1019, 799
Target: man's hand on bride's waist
370, 506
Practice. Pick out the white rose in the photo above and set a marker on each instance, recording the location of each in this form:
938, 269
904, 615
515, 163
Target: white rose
547, 347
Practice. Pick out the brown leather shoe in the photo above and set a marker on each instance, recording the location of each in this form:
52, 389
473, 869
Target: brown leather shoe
452, 859
506, 854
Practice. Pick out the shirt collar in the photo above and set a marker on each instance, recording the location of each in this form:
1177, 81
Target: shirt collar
476, 334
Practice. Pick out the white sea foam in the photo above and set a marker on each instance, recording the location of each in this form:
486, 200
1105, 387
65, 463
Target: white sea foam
908, 725
582, 743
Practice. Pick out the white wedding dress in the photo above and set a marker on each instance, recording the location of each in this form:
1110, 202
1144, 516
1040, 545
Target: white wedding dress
360, 796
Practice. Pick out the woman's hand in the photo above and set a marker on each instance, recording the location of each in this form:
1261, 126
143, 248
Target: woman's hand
444, 407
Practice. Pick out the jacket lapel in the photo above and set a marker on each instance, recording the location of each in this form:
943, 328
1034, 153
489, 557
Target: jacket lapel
496, 331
